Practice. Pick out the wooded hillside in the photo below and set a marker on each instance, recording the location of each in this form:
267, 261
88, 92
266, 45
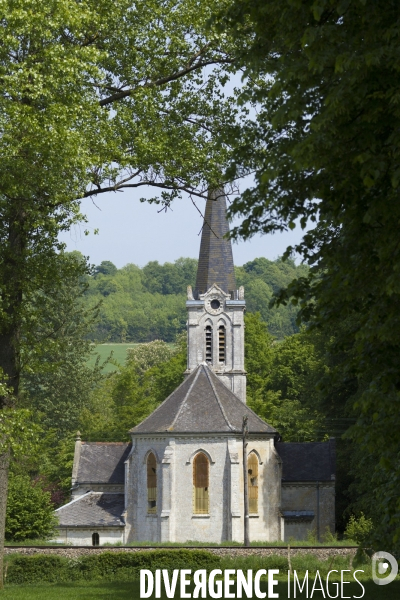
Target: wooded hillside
141, 305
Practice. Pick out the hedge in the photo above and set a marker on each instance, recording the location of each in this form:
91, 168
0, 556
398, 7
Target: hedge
39, 568
123, 566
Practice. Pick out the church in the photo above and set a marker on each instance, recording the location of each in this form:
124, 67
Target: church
181, 477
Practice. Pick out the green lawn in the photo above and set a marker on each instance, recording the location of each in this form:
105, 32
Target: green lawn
72, 591
125, 591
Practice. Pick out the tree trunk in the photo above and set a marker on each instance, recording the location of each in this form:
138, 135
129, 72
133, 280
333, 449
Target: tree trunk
12, 274
4, 463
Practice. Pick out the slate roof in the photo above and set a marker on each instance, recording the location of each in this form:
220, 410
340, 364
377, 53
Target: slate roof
102, 462
215, 258
94, 509
308, 461
202, 404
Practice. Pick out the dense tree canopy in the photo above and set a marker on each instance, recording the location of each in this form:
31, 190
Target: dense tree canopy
96, 96
324, 145
56, 381
128, 297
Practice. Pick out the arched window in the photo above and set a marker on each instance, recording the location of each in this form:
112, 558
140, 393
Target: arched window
200, 484
221, 344
95, 539
151, 484
209, 344
252, 470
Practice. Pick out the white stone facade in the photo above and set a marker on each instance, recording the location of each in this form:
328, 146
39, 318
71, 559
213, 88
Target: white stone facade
175, 520
83, 536
230, 315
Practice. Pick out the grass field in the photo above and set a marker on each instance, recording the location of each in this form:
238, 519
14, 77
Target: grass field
125, 591
119, 354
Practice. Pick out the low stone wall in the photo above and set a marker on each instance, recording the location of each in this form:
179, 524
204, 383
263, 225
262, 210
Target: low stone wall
74, 552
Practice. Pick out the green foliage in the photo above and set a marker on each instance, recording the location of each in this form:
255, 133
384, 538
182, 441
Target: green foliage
29, 510
108, 563
262, 278
56, 381
358, 529
106, 267
146, 356
282, 381
129, 395
114, 566
324, 146
96, 96
40, 568
169, 278
18, 432
129, 295
254, 562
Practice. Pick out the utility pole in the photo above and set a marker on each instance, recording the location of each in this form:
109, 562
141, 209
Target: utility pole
245, 431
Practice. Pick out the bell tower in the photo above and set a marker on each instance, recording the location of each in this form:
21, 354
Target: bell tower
216, 307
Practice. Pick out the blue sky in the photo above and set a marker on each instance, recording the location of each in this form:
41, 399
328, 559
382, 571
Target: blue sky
134, 232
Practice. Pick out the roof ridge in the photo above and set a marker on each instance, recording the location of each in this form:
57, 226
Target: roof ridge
247, 407
219, 401
106, 443
162, 403
185, 397
74, 500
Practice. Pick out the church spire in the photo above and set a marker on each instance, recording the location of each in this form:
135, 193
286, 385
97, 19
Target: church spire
215, 259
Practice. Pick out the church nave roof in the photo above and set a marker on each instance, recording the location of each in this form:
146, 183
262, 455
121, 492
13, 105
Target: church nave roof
202, 404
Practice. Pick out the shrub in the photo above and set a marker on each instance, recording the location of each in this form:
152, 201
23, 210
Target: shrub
106, 565
329, 537
40, 568
30, 513
358, 529
255, 562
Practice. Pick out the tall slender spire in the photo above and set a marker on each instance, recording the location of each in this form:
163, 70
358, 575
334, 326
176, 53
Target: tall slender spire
215, 259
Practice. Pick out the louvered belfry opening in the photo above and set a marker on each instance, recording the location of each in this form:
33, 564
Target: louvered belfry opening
209, 345
151, 484
252, 470
221, 344
200, 484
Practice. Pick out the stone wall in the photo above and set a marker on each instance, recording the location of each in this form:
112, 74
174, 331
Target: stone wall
83, 536
304, 496
71, 552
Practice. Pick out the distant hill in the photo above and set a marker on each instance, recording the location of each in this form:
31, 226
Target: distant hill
140, 305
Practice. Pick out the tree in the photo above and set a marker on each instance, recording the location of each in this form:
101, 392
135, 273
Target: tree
282, 381
325, 148
96, 97
106, 267
56, 381
30, 513
152, 372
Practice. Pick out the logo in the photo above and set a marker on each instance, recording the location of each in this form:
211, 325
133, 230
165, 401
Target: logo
380, 564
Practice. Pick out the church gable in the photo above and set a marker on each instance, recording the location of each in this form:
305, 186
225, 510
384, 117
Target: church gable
202, 404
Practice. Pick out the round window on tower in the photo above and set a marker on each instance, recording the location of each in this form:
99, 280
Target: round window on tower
215, 304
